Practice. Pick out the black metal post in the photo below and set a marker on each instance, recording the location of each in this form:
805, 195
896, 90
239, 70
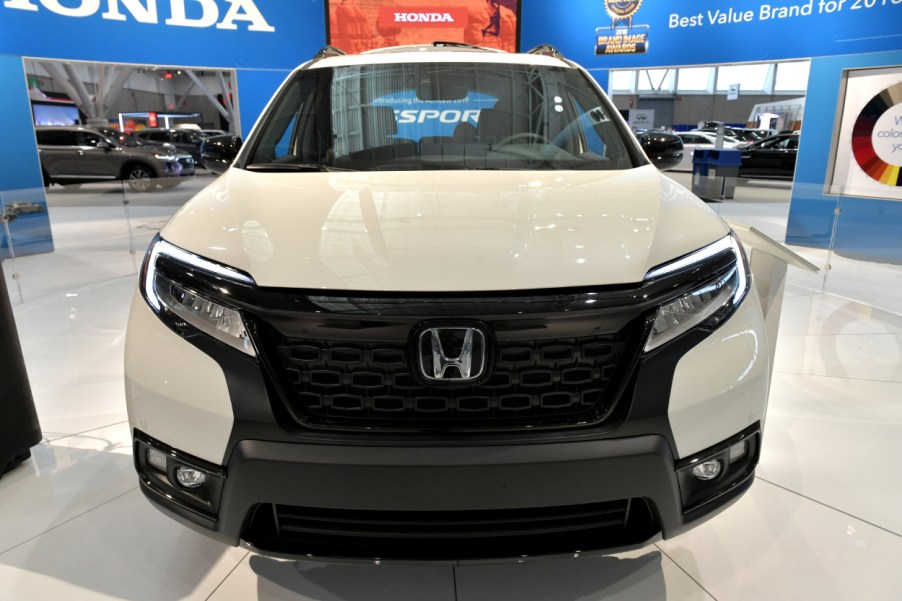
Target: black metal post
19, 427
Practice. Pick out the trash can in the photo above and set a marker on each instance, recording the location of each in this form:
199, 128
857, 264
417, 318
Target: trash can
714, 172
19, 427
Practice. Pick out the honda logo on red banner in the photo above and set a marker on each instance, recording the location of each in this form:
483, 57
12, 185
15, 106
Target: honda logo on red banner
407, 16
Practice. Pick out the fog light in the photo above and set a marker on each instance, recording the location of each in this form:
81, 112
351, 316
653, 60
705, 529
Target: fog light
738, 451
707, 470
190, 477
156, 459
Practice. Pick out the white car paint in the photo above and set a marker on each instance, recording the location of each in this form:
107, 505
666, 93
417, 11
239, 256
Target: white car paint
490, 230
721, 385
174, 392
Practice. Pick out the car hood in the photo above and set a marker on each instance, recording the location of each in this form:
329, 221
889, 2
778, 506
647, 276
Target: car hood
147, 150
433, 231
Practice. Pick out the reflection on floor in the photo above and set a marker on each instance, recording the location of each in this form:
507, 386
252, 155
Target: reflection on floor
821, 522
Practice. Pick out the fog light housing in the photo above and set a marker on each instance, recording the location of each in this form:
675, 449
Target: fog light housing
190, 477
156, 459
719, 469
707, 470
739, 450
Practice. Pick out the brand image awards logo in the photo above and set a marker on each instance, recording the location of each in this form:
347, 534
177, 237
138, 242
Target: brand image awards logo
622, 37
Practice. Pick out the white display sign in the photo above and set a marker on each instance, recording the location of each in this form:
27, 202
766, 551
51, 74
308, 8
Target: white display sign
733, 92
642, 118
868, 150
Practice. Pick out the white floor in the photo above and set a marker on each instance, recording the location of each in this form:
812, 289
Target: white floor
822, 522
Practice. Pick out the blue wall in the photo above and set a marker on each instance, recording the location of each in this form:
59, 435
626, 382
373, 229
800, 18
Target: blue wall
571, 25
20, 179
867, 228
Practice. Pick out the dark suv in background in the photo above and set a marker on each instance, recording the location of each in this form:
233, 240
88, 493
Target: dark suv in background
186, 140
81, 155
128, 140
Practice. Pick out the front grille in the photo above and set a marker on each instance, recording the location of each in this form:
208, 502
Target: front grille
370, 385
446, 535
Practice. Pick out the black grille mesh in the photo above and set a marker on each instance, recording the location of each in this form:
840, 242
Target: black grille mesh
532, 383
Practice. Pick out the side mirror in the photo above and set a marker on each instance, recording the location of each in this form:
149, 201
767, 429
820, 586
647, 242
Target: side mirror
664, 150
218, 152
104, 145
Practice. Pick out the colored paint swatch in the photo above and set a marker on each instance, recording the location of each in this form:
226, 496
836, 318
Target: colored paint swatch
863, 142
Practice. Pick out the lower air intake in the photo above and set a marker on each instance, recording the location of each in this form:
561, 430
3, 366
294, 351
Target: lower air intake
449, 535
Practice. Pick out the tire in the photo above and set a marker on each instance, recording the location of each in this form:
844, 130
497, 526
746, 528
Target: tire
140, 178
46, 178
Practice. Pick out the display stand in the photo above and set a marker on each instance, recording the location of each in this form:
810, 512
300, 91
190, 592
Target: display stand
714, 173
19, 427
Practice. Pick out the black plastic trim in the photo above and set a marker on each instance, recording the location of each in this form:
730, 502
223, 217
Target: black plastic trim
446, 479
203, 501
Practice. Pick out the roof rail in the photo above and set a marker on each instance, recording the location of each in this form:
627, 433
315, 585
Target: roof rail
547, 50
455, 44
327, 51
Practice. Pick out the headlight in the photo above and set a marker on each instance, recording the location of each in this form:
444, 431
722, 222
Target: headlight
164, 157
708, 305
168, 297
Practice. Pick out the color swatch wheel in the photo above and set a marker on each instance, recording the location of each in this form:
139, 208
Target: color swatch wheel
877, 129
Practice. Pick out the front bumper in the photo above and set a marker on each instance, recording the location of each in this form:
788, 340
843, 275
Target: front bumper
447, 503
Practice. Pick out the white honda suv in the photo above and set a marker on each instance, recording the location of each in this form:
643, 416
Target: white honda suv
442, 307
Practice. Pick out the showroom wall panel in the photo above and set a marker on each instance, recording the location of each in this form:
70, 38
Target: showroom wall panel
705, 32
19, 166
865, 228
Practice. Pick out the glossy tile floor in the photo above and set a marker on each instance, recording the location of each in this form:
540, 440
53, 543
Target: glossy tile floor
822, 522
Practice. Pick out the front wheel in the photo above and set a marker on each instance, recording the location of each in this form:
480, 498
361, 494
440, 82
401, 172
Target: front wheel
140, 178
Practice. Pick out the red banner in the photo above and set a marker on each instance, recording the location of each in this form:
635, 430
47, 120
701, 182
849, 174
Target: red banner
360, 25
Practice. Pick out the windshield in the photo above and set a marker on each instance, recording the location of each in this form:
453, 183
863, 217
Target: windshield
129, 140
401, 117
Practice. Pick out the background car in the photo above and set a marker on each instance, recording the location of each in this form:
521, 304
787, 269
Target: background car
129, 141
213, 132
693, 140
774, 157
740, 134
23, 207
664, 149
218, 152
80, 155
187, 140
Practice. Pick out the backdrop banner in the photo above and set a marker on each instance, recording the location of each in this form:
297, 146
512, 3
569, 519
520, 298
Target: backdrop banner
619, 34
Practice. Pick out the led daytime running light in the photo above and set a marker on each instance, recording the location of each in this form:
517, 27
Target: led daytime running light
706, 306
209, 316
699, 256
163, 247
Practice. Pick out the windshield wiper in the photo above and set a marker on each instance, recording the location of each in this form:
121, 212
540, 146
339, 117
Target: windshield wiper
300, 167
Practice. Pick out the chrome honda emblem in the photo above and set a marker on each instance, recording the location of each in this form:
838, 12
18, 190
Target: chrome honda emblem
452, 354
